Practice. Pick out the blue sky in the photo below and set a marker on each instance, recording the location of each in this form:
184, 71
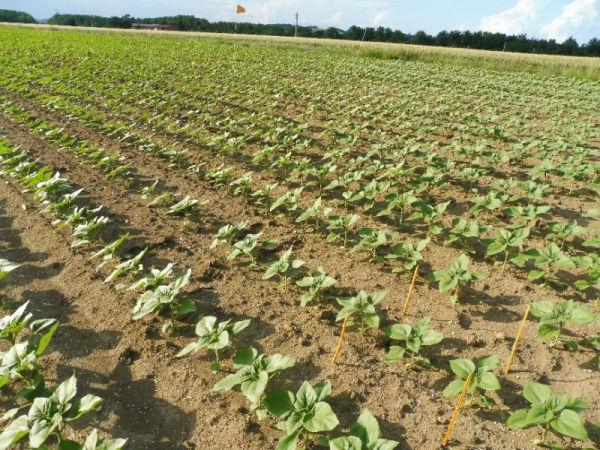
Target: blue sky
556, 19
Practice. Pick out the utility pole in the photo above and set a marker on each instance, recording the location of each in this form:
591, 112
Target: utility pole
296, 27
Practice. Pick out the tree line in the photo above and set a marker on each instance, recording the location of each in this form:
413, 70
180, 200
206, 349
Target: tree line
7, 15
482, 40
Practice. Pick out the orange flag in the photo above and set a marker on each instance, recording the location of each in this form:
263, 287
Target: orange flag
240, 9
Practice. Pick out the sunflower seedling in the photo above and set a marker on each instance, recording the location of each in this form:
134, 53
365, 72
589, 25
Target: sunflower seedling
166, 297
250, 246
109, 251
554, 317
482, 378
316, 286
462, 231
132, 266
315, 212
456, 277
371, 240
214, 336
505, 240
306, 412
284, 268
253, 373
364, 435
556, 412
48, 416
340, 226
288, 201
413, 338
227, 233
152, 279
362, 305
409, 253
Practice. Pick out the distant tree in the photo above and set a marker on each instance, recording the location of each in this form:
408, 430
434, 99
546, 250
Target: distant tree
7, 15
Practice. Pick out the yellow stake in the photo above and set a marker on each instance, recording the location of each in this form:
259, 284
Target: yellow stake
410, 289
338, 348
517, 338
456, 412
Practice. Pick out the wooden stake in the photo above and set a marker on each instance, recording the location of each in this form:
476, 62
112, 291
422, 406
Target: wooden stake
517, 338
338, 348
410, 289
456, 412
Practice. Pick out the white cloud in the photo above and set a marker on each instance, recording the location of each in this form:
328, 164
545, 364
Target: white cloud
575, 14
515, 20
378, 18
273, 10
335, 19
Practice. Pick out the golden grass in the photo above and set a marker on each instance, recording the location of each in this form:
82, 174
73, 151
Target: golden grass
552, 65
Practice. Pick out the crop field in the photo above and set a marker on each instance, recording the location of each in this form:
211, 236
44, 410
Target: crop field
215, 243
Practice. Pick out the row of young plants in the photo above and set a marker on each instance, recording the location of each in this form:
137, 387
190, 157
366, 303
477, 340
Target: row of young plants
160, 295
543, 263
42, 411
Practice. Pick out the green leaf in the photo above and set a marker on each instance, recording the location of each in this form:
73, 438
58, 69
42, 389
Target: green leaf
489, 382
43, 342
323, 419
366, 427
394, 354
398, 331
581, 315
280, 403
536, 393
227, 383
185, 306
454, 388
322, 389
346, 443
288, 442
462, 367
570, 424
245, 356
86, 404
254, 389
432, 337
542, 309
14, 432
518, 420
535, 275
40, 430
547, 331
66, 390
489, 363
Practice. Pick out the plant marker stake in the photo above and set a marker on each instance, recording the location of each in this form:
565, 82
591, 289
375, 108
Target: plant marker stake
410, 289
517, 338
338, 348
456, 412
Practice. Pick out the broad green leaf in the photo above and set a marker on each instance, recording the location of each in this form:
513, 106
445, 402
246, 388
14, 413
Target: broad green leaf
570, 424
14, 432
536, 393
280, 403
518, 420
462, 367
323, 419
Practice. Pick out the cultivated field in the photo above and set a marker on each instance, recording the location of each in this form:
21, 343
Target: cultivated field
153, 187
